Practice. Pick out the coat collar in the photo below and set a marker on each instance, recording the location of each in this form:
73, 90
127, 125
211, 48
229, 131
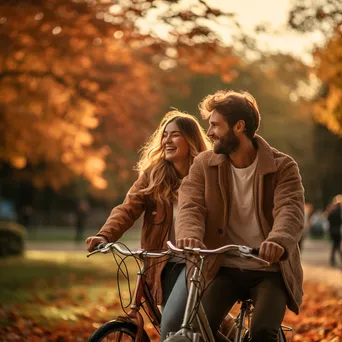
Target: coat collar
266, 162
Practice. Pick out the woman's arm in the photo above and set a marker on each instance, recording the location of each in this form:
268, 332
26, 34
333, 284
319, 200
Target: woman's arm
124, 215
190, 221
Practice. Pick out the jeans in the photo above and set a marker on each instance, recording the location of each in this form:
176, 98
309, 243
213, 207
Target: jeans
266, 289
175, 294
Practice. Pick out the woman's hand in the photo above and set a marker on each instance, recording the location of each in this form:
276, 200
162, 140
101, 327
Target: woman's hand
93, 241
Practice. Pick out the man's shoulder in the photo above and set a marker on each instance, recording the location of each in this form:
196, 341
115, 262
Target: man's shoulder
272, 159
205, 156
284, 164
281, 158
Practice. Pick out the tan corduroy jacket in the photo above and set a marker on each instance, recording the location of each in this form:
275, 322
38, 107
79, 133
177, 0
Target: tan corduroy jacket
155, 231
204, 206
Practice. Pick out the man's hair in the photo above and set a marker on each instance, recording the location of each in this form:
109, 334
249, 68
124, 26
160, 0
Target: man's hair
233, 106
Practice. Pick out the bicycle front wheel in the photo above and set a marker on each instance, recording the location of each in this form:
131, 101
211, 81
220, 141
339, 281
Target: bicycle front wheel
115, 331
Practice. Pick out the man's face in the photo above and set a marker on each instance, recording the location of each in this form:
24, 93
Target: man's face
225, 140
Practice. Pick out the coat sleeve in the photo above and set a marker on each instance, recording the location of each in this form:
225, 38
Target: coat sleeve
190, 221
124, 215
288, 211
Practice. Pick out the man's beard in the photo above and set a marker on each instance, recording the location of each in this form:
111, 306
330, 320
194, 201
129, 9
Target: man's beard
227, 144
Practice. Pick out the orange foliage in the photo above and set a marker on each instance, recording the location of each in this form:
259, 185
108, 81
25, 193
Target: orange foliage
328, 109
81, 86
325, 17
318, 321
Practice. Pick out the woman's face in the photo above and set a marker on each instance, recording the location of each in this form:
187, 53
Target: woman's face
174, 144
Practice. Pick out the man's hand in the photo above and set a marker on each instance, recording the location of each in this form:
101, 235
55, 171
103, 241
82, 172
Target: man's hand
271, 251
93, 241
190, 243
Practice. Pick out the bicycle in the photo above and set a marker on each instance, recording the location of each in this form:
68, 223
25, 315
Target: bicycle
131, 326
194, 310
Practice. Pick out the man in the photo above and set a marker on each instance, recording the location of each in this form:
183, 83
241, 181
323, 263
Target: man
244, 192
334, 216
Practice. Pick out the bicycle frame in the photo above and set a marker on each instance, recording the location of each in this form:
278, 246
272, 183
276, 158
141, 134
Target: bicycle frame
194, 311
142, 290
245, 310
201, 319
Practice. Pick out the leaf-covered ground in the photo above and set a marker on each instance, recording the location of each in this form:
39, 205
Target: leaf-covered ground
62, 296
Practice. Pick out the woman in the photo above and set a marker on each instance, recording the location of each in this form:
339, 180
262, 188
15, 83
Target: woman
165, 160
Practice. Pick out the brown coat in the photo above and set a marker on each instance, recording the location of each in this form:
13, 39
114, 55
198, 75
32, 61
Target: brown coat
155, 231
204, 206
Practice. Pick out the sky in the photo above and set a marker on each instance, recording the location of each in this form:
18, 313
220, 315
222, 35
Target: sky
273, 13
250, 13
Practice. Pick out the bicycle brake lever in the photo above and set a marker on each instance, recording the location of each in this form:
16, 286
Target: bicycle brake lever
249, 255
91, 253
100, 249
106, 247
245, 249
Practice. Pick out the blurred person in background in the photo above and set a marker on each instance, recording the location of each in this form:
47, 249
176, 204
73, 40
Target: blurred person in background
334, 216
165, 161
307, 214
26, 215
318, 224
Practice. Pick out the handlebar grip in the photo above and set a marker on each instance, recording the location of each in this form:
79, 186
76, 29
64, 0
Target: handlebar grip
99, 246
255, 251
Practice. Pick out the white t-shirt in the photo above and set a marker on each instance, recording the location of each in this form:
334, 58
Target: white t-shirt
244, 228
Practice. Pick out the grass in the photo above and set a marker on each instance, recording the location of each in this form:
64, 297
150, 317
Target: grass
49, 287
63, 234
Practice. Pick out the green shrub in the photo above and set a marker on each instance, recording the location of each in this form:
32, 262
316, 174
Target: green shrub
12, 239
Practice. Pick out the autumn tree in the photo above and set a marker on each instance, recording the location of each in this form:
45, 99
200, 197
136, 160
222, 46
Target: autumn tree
324, 16
82, 81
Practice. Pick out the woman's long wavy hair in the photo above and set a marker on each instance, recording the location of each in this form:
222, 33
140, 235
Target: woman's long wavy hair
164, 181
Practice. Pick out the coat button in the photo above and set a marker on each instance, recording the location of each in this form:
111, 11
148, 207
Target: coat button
154, 213
220, 231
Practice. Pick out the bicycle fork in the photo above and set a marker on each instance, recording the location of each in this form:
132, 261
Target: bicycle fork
134, 313
240, 321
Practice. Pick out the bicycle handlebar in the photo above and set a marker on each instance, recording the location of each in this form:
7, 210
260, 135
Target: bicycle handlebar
172, 251
108, 247
220, 250
239, 249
